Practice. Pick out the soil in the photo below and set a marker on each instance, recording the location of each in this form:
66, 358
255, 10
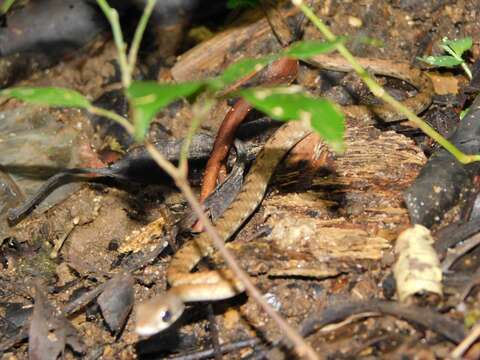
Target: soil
319, 235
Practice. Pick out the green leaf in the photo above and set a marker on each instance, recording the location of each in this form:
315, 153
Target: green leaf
442, 61
149, 97
240, 69
5, 6
244, 67
48, 96
306, 49
458, 46
290, 104
463, 113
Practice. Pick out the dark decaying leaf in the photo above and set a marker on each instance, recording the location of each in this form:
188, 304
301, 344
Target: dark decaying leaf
116, 301
14, 316
444, 182
50, 332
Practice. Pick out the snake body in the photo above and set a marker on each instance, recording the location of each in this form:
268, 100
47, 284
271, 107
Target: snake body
161, 311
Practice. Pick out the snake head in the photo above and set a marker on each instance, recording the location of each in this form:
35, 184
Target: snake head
158, 313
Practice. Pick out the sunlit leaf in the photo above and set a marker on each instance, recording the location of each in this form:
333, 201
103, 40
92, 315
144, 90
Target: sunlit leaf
149, 97
291, 104
443, 61
458, 46
243, 68
463, 113
48, 96
306, 49
5, 6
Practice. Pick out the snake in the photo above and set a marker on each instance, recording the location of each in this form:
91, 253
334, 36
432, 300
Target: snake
161, 311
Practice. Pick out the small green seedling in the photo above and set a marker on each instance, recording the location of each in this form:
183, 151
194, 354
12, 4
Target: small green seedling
455, 49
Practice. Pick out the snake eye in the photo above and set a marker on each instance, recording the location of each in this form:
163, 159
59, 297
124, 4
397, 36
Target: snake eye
166, 316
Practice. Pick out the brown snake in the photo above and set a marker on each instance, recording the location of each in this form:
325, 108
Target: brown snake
161, 311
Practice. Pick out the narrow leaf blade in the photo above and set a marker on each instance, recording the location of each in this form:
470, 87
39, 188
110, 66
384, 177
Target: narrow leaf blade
48, 96
459, 46
306, 49
442, 61
287, 104
149, 97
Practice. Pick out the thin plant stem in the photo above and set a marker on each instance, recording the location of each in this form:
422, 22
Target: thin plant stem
380, 92
137, 37
113, 116
466, 343
464, 66
166, 165
466, 69
112, 17
200, 112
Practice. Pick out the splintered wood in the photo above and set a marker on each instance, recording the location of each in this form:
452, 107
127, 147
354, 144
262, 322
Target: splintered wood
351, 213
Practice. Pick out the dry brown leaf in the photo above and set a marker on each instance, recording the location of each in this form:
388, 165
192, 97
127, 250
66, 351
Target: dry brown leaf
444, 84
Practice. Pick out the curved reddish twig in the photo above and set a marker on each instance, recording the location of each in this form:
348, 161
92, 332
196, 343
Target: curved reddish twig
222, 145
283, 70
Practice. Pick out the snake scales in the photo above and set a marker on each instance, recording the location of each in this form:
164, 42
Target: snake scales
161, 311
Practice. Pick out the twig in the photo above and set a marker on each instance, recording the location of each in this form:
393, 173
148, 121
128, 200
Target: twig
222, 145
425, 317
474, 280
281, 71
380, 92
454, 254
454, 233
473, 336
213, 327
339, 311
204, 354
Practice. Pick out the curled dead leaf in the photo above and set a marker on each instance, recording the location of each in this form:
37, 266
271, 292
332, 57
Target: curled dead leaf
417, 269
